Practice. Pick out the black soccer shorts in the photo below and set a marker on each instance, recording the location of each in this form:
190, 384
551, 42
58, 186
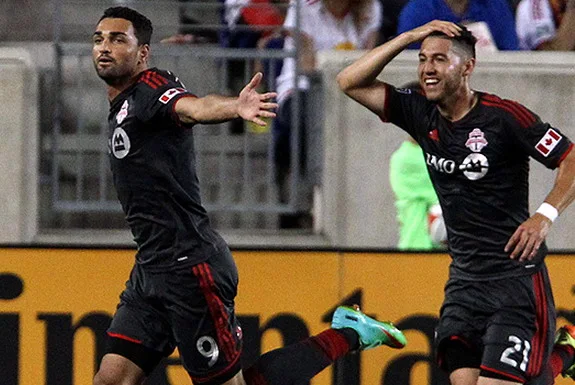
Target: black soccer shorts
191, 308
509, 324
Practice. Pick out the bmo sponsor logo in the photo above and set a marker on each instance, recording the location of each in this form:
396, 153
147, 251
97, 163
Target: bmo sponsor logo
440, 164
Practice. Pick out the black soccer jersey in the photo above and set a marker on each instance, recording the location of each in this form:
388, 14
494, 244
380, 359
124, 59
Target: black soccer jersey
479, 166
153, 166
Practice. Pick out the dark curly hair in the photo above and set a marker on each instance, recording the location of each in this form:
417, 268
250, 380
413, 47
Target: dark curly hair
142, 25
465, 40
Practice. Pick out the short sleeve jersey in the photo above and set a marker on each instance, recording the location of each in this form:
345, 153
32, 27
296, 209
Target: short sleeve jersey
153, 166
479, 166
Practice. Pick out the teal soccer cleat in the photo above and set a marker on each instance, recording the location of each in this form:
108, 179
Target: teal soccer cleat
566, 336
371, 332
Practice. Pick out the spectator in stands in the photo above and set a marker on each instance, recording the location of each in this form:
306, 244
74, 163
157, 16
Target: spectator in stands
249, 24
546, 25
389, 18
491, 22
190, 29
260, 16
323, 25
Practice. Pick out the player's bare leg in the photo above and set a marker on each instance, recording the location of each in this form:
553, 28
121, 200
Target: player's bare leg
464, 376
118, 370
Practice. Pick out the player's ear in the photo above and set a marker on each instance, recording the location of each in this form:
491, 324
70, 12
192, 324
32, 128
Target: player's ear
144, 53
469, 67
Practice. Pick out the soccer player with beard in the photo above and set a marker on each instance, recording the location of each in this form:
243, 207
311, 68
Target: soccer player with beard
498, 315
182, 288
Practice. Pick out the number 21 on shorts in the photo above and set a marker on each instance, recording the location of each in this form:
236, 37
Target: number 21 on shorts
519, 346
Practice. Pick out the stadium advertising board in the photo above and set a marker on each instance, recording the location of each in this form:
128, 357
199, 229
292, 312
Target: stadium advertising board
55, 305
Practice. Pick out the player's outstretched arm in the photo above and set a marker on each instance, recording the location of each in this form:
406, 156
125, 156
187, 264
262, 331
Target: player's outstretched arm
528, 237
249, 105
359, 80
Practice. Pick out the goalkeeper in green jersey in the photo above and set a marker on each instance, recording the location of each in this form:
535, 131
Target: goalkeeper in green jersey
421, 224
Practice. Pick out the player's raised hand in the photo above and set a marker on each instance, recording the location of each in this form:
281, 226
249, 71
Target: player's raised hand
526, 240
447, 27
253, 106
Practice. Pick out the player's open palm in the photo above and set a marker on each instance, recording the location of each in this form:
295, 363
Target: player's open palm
527, 239
254, 106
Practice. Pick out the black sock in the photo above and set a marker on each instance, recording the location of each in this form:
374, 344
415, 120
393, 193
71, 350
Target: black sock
296, 364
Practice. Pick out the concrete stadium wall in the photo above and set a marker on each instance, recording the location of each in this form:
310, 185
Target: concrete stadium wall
19, 146
358, 204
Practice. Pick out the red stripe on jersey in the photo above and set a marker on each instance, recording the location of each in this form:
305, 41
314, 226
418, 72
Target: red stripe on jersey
384, 117
524, 111
217, 311
522, 114
150, 76
541, 324
517, 109
145, 79
157, 78
123, 337
508, 109
511, 376
520, 119
152, 85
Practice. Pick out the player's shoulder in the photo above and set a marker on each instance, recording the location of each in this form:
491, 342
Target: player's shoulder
508, 110
154, 79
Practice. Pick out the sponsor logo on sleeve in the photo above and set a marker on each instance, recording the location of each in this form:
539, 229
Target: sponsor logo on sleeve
169, 94
548, 142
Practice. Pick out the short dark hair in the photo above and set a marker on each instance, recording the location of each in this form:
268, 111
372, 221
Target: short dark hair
142, 25
465, 40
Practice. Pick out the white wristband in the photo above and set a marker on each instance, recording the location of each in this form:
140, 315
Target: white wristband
549, 211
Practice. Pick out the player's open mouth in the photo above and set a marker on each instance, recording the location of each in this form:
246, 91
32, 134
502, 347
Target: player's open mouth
105, 60
431, 82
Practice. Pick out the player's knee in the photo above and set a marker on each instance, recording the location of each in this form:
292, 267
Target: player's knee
104, 377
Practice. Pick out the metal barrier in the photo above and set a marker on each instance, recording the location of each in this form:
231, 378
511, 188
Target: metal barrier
234, 159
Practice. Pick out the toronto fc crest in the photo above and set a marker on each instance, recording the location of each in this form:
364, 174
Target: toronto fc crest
476, 140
